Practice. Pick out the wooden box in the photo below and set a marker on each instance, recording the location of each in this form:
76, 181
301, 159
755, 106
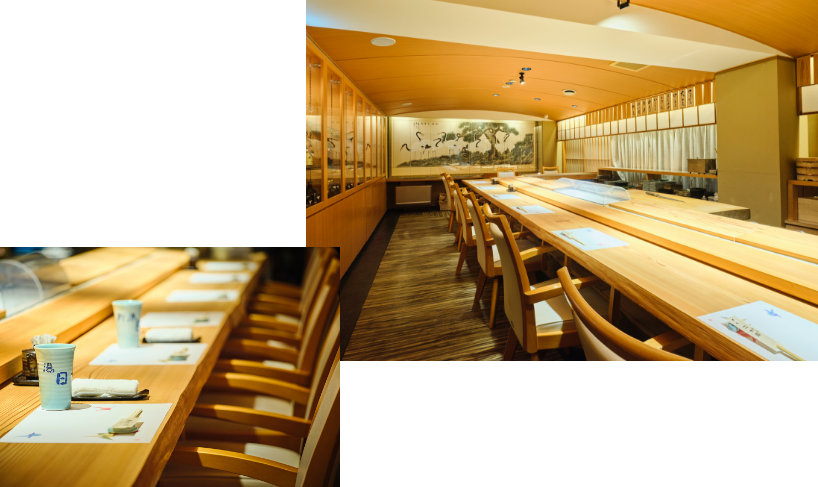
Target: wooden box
701, 166
808, 209
807, 168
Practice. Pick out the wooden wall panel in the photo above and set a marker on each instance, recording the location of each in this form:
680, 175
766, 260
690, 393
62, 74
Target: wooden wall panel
349, 220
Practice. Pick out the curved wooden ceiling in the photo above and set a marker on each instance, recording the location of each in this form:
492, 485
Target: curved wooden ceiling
786, 25
434, 75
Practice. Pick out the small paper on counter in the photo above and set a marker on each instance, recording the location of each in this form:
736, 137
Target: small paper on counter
792, 332
532, 209
86, 423
589, 239
215, 266
181, 318
203, 296
505, 196
218, 278
150, 354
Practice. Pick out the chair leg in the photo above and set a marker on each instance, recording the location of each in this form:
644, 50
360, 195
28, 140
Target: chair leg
614, 312
535, 357
495, 283
459, 244
451, 220
457, 228
463, 249
511, 345
481, 282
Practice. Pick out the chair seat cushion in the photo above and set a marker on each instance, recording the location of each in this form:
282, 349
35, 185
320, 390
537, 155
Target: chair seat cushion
555, 315
523, 244
253, 401
278, 344
176, 474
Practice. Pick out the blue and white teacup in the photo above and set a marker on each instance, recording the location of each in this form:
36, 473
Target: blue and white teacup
127, 313
55, 365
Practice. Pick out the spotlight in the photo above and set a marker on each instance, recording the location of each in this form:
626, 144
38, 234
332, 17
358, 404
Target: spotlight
537, 99
622, 3
526, 69
522, 81
574, 106
496, 94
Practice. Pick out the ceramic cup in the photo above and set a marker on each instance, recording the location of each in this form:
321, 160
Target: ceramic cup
127, 313
55, 364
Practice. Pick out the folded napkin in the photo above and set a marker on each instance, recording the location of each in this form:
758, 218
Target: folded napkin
169, 335
103, 388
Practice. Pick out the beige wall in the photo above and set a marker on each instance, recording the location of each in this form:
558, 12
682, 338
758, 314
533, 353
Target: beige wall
548, 147
757, 137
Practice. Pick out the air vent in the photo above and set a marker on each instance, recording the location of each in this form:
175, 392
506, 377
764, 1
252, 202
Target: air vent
629, 66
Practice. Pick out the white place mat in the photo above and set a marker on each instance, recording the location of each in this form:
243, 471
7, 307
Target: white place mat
181, 318
228, 266
793, 332
493, 187
203, 296
591, 239
532, 209
83, 423
149, 354
505, 196
480, 182
220, 278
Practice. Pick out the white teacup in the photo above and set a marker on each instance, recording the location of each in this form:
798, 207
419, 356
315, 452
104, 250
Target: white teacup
127, 313
55, 363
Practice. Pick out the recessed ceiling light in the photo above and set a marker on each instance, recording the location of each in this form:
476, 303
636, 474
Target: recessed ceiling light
496, 94
574, 106
537, 99
569, 92
526, 69
383, 41
505, 86
406, 104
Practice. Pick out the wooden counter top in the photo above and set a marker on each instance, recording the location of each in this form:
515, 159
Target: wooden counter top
669, 285
79, 309
94, 263
90, 465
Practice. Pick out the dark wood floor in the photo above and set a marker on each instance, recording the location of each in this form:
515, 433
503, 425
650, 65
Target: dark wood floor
417, 309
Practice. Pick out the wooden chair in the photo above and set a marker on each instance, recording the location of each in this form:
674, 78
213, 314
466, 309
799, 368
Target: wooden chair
489, 257
466, 235
228, 463
288, 308
247, 407
506, 174
447, 190
270, 353
551, 170
603, 341
286, 289
540, 315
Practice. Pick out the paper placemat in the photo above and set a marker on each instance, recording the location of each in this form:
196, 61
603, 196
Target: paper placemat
220, 278
228, 266
181, 318
532, 209
794, 333
505, 196
149, 354
83, 423
589, 239
203, 296
480, 182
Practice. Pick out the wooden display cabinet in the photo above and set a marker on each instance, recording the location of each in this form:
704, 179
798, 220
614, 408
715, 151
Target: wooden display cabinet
800, 189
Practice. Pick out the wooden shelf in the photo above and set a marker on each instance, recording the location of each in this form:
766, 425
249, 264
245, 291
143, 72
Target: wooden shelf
664, 173
800, 223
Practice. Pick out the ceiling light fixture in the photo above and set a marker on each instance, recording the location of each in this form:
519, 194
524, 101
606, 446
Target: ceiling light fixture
407, 104
569, 92
383, 41
505, 86
496, 94
537, 99
522, 80
574, 106
526, 69
623, 3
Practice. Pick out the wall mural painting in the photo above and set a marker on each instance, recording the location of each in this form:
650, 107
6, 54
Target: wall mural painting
431, 146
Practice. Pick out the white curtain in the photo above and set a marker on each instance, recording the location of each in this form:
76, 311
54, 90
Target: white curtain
666, 150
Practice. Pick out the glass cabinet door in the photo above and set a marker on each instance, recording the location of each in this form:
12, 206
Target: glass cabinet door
314, 138
367, 142
349, 139
334, 139
359, 136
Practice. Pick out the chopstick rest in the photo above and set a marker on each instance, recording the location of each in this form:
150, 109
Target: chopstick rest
104, 388
126, 425
169, 335
179, 355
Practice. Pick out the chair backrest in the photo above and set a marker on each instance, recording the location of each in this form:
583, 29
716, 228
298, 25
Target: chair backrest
447, 190
322, 441
460, 203
317, 272
319, 317
452, 190
506, 174
600, 339
480, 232
550, 170
515, 279
324, 362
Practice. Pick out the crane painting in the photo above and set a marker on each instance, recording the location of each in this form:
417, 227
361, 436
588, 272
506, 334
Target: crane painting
437, 144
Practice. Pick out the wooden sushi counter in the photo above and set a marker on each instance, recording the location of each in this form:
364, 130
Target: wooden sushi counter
679, 264
87, 312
